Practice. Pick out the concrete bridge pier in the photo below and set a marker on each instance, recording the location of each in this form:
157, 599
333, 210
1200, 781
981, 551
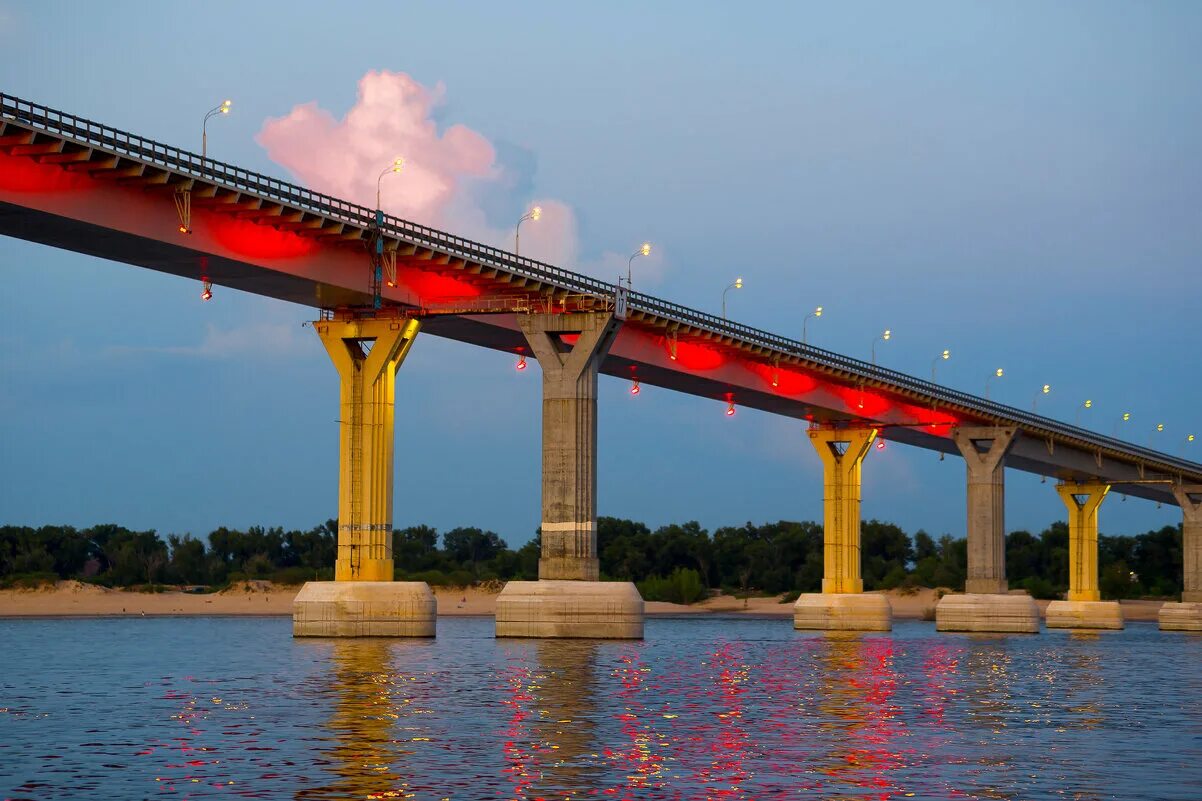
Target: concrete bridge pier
568, 600
986, 605
1187, 615
1083, 608
363, 600
842, 605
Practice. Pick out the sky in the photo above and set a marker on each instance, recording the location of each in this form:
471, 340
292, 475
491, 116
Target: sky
1020, 183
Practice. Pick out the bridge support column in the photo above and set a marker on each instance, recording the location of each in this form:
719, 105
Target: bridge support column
1187, 615
363, 600
986, 605
1083, 607
568, 600
842, 605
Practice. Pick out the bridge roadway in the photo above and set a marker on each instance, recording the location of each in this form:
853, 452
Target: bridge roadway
78, 185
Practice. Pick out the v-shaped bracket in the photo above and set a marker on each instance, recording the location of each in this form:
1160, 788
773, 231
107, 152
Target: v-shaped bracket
551, 339
1189, 498
984, 448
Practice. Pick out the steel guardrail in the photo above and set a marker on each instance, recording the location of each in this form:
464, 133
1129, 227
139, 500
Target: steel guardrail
92, 134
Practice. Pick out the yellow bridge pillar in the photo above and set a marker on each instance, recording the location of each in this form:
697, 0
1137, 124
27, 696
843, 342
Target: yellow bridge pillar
841, 605
363, 599
366, 354
1083, 606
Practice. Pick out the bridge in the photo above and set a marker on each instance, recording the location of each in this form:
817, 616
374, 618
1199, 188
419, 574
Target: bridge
378, 281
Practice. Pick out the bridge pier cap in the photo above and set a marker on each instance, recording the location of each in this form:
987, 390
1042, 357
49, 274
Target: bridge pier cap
568, 600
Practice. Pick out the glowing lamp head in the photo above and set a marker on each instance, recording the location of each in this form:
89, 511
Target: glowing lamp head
634, 388
536, 212
999, 373
947, 354
818, 312
1190, 438
1088, 404
738, 283
1126, 416
521, 365
1160, 426
1046, 389
225, 107
645, 249
885, 336
880, 444
730, 410
183, 229
207, 294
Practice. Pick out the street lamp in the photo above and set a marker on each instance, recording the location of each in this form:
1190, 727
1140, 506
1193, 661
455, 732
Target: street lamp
816, 313
738, 284
1159, 429
882, 338
644, 250
1188, 439
996, 374
396, 166
1087, 405
224, 108
534, 214
1114, 432
1045, 389
947, 354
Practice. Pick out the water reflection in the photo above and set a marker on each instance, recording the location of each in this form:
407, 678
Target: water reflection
374, 729
857, 687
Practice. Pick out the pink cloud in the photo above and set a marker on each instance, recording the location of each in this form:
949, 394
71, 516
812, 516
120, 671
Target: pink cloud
446, 171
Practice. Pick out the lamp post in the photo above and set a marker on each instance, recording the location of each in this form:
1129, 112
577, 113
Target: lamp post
1114, 432
995, 374
1188, 439
224, 108
738, 284
816, 313
396, 166
534, 214
1159, 429
1045, 389
882, 338
1087, 405
947, 354
644, 250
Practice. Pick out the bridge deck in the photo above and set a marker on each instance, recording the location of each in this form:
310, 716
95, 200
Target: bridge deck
75, 184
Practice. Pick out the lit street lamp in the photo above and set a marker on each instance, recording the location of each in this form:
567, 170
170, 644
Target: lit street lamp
1087, 405
996, 374
1114, 432
816, 313
738, 284
882, 338
534, 214
1159, 429
947, 354
644, 250
1045, 389
396, 166
224, 108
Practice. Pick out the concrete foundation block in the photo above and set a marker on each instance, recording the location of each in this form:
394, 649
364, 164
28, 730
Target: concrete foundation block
364, 609
987, 612
1084, 615
607, 610
1181, 617
817, 611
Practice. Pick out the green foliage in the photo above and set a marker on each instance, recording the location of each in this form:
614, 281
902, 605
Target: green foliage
683, 586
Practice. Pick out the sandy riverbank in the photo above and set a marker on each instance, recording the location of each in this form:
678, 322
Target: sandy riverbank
72, 598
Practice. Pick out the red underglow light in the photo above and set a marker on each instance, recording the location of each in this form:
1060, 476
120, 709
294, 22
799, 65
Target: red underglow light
880, 444
207, 290
730, 409
521, 365
634, 388
259, 241
183, 229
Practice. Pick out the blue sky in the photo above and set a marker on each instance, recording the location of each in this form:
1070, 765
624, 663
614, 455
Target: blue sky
1020, 183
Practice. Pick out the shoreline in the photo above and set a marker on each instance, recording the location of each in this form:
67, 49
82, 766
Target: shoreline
261, 599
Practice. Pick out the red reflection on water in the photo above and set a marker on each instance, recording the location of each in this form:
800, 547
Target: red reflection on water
516, 746
640, 763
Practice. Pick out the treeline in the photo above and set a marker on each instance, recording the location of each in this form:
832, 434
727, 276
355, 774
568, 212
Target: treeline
674, 562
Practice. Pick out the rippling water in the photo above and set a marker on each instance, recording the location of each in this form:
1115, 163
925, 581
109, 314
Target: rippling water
709, 708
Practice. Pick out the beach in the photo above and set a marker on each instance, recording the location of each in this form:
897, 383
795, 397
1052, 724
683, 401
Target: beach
77, 599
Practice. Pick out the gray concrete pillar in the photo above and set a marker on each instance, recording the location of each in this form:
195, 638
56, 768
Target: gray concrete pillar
1190, 499
569, 521
984, 450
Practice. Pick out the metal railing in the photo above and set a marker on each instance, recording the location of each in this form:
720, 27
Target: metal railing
92, 134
